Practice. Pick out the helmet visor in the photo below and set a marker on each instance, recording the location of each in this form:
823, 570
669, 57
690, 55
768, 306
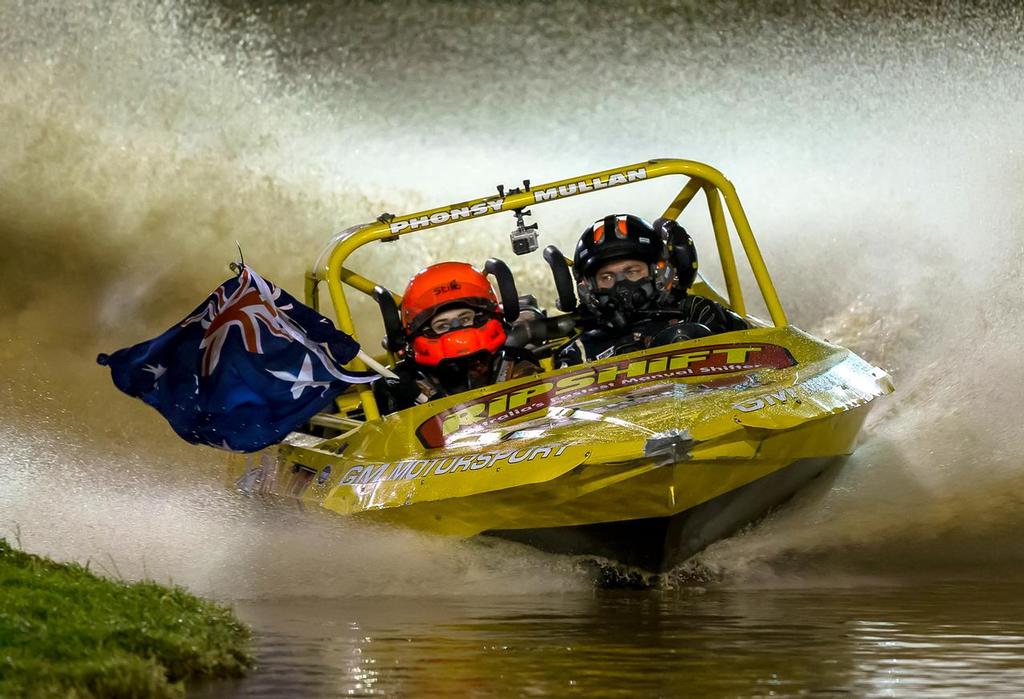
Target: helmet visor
454, 319
627, 270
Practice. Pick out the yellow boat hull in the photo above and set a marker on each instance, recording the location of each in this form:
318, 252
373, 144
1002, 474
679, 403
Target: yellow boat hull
647, 437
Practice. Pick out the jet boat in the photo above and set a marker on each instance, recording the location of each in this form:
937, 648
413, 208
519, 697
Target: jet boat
644, 458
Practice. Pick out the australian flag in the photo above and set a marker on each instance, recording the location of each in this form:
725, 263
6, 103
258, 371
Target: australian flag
248, 366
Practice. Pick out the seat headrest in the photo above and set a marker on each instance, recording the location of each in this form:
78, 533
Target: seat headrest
682, 253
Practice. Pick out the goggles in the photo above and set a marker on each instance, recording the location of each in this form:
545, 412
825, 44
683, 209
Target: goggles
606, 280
466, 318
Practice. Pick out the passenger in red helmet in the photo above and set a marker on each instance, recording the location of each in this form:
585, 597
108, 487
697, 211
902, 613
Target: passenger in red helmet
455, 333
632, 280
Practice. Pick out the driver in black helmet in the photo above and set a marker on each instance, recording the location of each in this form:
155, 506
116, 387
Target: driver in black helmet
631, 278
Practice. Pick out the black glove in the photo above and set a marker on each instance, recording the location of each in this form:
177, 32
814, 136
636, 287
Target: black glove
679, 332
396, 394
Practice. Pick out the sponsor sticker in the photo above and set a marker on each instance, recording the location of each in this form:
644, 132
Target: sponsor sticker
752, 405
699, 362
367, 474
472, 209
583, 186
455, 213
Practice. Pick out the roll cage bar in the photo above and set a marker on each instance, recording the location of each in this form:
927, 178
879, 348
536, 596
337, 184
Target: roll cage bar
330, 266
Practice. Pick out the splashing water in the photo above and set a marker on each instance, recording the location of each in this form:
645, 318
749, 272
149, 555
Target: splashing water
878, 154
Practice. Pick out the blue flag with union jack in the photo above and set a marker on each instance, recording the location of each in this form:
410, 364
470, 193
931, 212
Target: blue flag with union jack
248, 366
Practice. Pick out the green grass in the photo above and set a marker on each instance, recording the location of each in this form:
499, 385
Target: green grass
65, 632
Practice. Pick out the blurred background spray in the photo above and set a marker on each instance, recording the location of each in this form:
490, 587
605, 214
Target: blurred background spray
878, 148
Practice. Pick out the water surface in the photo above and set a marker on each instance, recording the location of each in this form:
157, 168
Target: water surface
927, 639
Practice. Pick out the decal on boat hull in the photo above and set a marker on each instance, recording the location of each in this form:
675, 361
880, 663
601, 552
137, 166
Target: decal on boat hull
702, 362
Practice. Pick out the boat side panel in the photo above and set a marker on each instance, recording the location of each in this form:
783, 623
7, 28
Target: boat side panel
658, 544
609, 492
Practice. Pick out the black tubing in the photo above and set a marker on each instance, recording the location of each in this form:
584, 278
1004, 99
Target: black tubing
566, 301
394, 333
506, 287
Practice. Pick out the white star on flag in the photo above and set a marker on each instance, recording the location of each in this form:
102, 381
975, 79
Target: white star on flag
303, 380
157, 370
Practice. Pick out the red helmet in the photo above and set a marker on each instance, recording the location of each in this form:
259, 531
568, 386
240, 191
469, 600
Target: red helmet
450, 285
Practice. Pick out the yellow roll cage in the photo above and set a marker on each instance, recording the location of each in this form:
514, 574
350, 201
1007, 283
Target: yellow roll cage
330, 267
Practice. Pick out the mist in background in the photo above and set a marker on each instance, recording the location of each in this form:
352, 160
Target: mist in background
879, 153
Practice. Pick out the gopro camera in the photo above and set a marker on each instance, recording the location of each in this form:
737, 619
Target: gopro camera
525, 237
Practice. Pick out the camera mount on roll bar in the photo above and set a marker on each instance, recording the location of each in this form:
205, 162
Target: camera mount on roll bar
525, 238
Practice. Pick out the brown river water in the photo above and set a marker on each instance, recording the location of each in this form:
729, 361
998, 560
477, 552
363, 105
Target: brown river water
879, 152
923, 640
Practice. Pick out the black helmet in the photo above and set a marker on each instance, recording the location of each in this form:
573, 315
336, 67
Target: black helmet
665, 247
616, 237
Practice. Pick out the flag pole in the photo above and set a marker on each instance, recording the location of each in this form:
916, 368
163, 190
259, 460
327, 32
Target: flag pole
376, 366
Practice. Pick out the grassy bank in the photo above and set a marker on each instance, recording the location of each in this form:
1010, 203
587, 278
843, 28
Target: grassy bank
66, 632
